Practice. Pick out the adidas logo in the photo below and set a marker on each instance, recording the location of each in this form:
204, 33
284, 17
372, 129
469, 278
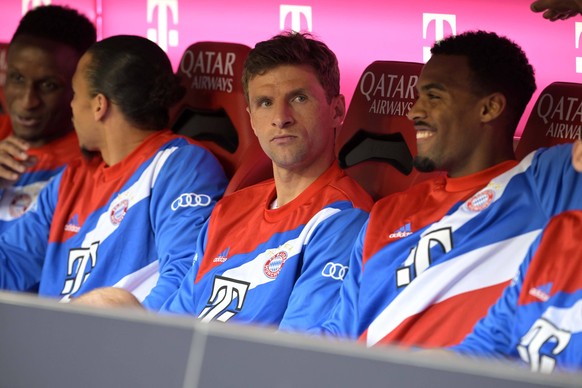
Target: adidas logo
401, 232
542, 292
222, 256
73, 225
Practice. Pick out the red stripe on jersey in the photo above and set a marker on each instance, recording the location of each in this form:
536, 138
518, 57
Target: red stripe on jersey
238, 216
558, 259
422, 205
445, 323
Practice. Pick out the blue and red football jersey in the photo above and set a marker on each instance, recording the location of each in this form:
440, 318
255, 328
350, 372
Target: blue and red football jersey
538, 319
51, 159
123, 225
430, 261
278, 267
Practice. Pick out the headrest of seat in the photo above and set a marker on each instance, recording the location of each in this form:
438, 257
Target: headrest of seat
377, 142
555, 118
213, 111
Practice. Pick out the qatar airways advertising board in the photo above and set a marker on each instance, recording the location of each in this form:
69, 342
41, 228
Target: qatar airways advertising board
359, 32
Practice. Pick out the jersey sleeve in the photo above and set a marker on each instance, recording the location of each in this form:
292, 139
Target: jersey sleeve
325, 265
24, 244
492, 335
183, 196
182, 300
344, 317
556, 182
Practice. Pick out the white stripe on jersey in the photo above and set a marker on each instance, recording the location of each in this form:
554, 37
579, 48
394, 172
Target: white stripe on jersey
498, 185
141, 282
252, 271
566, 318
482, 267
138, 191
452, 275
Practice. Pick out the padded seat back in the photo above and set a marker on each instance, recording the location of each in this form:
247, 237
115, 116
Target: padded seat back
213, 111
555, 118
377, 142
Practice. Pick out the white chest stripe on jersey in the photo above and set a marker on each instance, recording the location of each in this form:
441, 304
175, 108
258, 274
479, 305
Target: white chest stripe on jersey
497, 185
252, 271
566, 318
450, 276
138, 191
477, 269
141, 282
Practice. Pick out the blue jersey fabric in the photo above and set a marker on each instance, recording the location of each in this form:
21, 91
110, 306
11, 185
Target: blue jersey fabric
123, 225
424, 270
278, 267
538, 319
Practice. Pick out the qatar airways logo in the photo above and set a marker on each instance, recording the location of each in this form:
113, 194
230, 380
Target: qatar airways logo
162, 34
439, 26
297, 12
578, 39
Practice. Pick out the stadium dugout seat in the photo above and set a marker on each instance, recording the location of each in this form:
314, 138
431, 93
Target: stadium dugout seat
555, 118
3, 68
377, 143
213, 111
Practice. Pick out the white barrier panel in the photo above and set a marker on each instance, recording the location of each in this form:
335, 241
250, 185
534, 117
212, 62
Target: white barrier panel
45, 344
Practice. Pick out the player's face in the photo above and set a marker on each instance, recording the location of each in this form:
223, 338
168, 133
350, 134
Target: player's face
38, 88
446, 116
292, 118
82, 106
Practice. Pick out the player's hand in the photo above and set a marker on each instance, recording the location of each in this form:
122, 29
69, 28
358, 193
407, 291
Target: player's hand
14, 160
557, 9
108, 297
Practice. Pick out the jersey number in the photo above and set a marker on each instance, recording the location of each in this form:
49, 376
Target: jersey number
542, 333
80, 264
419, 258
224, 291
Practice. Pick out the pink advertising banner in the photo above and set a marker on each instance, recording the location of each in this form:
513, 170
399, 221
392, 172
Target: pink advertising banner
359, 32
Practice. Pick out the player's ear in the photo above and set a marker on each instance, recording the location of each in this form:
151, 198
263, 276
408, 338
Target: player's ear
577, 155
100, 106
492, 107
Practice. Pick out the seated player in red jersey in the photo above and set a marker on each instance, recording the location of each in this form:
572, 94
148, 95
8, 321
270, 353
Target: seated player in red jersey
37, 138
127, 216
469, 230
276, 253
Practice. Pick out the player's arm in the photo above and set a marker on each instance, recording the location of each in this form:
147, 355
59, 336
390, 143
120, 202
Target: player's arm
183, 197
343, 320
325, 266
23, 245
555, 180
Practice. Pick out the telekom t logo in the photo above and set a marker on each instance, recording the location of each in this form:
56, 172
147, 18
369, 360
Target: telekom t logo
296, 11
30, 4
439, 25
578, 36
162, 35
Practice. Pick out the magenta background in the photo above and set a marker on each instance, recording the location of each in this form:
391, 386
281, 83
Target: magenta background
359, 32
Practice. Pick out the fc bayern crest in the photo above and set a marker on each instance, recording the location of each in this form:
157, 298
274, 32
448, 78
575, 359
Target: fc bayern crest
481, 200
19, 204
274, 265
118, 212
